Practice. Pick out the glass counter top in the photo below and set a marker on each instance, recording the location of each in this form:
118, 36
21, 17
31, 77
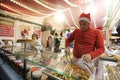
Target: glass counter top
53, 65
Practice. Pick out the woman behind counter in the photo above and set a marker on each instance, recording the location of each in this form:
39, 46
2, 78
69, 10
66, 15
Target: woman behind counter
36, 44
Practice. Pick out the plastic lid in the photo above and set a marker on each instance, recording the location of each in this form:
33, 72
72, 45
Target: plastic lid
29, 66
7, 54
12, 58
18, 61
37, 73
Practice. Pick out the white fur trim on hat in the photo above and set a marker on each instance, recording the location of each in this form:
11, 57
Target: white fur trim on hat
84, 19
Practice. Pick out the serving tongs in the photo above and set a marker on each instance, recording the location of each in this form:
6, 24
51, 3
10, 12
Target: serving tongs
68, 58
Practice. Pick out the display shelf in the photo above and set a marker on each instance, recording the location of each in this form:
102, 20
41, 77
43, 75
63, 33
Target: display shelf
24, 42
54, 69
50, 69
8, 44
115, 39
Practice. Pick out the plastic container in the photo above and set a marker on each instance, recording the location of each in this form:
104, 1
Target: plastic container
36, 75
12, 58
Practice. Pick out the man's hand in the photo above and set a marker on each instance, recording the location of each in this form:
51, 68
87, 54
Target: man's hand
87, 58
67, 49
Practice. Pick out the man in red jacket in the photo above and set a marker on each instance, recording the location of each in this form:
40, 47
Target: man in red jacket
88, 41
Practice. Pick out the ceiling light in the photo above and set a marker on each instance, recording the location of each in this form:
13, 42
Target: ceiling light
59, 16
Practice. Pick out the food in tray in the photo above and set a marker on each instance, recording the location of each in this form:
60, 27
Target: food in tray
112, 72
106, 56
118, 65
82, 73
62, 76
74, 71
112, 57
116, 57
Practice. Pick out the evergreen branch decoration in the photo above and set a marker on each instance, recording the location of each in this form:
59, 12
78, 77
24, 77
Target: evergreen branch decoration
13, 18
44, 28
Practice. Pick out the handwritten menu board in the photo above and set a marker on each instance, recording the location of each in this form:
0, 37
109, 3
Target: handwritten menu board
6, 28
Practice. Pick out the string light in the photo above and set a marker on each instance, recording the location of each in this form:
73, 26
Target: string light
48, 6
69, 3
5, 6
72, 18
27, 7
80, 9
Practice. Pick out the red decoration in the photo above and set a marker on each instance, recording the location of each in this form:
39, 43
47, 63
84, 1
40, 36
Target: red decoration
6, 30
38, 32
25, 32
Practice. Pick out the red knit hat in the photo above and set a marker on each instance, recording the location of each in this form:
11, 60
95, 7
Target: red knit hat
100, 27
85, 17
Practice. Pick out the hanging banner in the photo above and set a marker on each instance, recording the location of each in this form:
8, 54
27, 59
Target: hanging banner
6, 28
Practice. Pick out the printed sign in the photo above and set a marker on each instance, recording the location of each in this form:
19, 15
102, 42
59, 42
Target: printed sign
6, 28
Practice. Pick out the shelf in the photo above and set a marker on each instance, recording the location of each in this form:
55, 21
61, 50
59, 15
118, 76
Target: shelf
7, 46
24, 40
115, 37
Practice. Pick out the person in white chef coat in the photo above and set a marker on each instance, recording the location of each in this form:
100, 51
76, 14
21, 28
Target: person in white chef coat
36, 44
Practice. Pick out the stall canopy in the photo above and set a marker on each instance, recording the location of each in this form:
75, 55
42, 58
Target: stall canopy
70, 8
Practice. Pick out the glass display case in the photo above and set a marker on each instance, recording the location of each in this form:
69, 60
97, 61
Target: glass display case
54, 68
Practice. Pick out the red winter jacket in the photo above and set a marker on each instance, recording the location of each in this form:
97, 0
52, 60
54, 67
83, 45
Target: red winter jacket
90, 41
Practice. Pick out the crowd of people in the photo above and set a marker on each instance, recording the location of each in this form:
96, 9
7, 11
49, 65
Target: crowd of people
88, 42
52, 44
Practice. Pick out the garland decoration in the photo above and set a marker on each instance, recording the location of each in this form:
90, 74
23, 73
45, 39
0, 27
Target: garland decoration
13, 18
44, 27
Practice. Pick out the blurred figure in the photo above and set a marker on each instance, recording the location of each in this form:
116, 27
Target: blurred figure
57, 43
36, 44
50, 42
68, 35
118, 30
62, 40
